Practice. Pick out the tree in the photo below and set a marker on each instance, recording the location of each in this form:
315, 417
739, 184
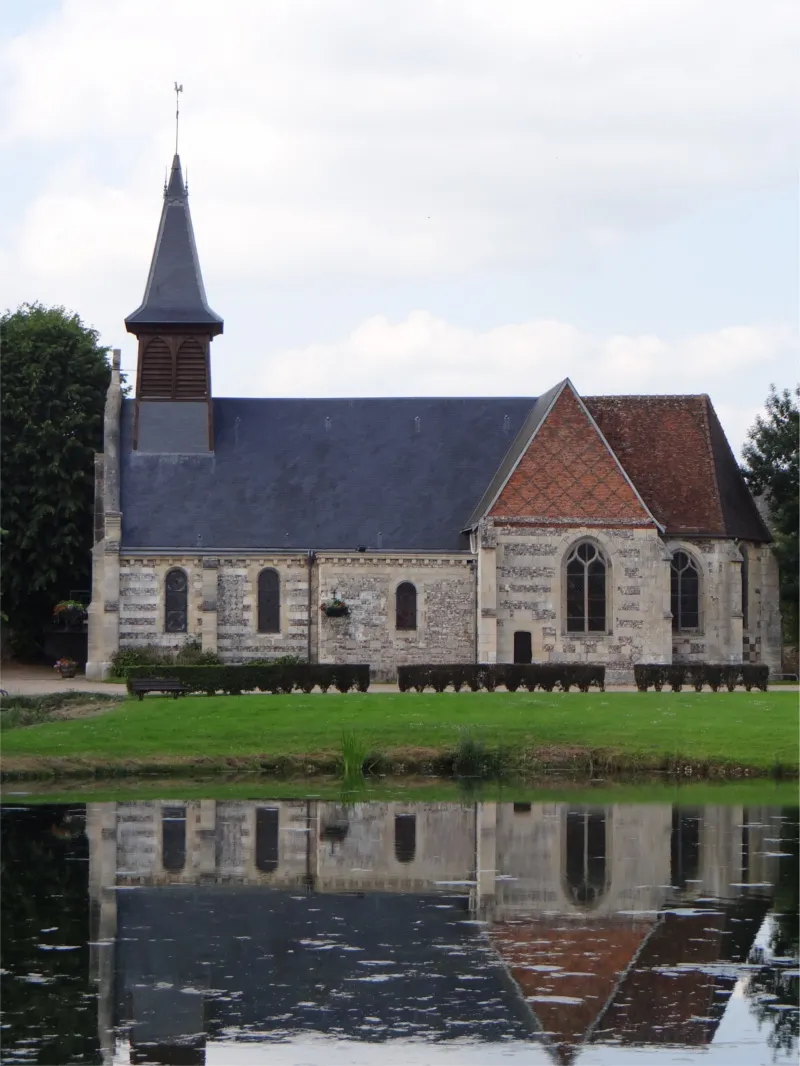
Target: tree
54, 380
771, 467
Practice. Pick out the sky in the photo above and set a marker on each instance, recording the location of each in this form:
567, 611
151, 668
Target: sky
422, 197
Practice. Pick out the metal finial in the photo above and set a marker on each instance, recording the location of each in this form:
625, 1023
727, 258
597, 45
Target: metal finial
178, 89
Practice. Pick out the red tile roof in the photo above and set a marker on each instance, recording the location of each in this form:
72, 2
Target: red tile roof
675, 452
567, 473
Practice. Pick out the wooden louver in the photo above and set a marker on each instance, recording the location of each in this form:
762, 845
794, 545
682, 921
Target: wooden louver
174, 369
191, 375
155, 375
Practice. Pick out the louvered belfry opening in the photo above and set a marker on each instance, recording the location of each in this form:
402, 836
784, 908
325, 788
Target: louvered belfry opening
174, 368
191, 370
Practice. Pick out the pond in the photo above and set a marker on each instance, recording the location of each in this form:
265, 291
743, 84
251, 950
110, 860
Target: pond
310, 931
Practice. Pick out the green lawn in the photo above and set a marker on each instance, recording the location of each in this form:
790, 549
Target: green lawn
751, 729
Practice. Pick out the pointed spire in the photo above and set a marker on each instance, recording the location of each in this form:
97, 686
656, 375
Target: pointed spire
174, 294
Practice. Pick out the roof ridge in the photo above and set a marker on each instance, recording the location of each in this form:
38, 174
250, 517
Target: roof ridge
706, 402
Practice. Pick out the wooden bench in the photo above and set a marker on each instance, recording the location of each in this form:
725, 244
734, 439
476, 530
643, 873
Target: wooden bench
142, 685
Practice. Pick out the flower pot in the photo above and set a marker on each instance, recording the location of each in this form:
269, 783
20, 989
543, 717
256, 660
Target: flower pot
337, 612
67, 671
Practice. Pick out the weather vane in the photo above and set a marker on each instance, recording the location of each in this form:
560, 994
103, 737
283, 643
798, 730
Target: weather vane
178, 89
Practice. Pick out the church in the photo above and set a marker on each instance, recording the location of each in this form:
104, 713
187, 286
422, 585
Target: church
550, 528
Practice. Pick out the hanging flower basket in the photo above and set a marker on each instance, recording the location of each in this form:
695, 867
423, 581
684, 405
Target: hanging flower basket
70, 613
334, 607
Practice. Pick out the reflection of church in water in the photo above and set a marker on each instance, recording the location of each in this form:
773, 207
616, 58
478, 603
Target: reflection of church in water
494, 921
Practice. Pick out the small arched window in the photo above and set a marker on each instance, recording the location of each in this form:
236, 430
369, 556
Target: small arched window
745, 587
685, 588
269, 602
173, 838
586, 589
267, 845
176, 594
405, 837
406, 606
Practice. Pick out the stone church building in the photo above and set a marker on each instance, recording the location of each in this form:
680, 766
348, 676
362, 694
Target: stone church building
608, 529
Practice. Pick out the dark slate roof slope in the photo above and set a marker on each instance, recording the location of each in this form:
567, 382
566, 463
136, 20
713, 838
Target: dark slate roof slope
174, 294
396, 474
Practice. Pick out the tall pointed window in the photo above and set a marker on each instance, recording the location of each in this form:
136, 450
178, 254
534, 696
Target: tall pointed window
586, 856
269, 602
406, 606
745, 588
176, 593
685, 588
685, 846
586, 589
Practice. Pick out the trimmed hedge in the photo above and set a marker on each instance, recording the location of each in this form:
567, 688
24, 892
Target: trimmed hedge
272, 677
696, 675
477, 676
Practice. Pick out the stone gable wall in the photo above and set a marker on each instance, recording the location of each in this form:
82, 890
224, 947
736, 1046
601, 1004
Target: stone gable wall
530, 581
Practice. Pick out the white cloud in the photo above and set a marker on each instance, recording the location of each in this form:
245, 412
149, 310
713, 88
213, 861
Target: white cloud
404, 138
426, 356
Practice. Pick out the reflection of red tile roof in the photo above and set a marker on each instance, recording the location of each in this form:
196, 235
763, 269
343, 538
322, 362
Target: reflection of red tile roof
658, 1000
675, 452
557, 960
568, 473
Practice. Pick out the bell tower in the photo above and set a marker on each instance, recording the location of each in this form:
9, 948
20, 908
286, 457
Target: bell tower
174, 327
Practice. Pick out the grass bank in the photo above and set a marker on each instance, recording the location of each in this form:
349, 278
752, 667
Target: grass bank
709, 734
551, 788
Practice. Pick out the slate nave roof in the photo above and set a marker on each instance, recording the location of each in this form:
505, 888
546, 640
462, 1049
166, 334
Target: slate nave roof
406, 474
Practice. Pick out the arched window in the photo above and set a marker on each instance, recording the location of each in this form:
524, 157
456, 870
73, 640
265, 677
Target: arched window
267, 824
406, 606
586, 856
269, 602
684, 846
173, 838
405, 837
745, 587
176, 614
586, 589
685, 600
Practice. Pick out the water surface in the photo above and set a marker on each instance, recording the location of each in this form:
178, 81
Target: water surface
308, 931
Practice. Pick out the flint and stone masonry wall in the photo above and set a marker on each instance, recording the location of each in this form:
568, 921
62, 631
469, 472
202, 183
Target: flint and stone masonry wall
445, 610
529, 595
223, 607
515, 581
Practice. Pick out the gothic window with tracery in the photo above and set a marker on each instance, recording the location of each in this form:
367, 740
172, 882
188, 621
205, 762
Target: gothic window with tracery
685, 587
586, 847
586, 589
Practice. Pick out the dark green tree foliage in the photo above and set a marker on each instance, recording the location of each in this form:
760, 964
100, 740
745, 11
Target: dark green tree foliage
54, 379
49, 998
771, 467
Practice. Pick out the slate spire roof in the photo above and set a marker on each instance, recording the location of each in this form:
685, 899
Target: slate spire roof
174, 294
